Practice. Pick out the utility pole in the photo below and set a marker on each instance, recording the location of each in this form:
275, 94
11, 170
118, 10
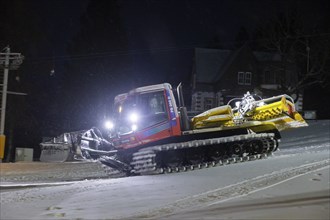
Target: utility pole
308, 51
307, 66
8, 61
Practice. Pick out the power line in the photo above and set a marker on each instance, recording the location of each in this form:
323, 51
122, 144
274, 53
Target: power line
111, 53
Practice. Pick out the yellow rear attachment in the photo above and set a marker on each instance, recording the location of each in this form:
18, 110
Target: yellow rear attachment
282, 113
279, 110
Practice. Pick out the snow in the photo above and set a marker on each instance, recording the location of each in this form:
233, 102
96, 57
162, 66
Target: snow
294, 183
49, 172
285, 200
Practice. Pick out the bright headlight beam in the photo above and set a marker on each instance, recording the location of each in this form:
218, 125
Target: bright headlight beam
109, 125
133, 117
134, 127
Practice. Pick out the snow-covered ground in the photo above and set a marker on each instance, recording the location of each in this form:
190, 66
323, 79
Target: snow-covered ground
293, 184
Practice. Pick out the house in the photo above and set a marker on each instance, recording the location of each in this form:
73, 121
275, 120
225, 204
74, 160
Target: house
221, 75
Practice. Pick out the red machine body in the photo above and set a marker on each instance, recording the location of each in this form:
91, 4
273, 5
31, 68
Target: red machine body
145, 115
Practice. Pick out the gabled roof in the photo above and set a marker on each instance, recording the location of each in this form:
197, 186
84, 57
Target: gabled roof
228, 63
209, 63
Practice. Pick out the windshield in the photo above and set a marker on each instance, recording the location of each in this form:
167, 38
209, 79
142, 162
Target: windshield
141, 111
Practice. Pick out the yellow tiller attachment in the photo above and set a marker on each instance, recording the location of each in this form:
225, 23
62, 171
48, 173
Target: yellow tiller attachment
278, 111
282, 113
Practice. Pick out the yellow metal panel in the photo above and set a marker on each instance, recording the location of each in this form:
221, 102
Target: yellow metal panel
272, 110
219, 114
2, 145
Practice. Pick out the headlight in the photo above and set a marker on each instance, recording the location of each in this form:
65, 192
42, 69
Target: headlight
134, 127
133, 117
109, 125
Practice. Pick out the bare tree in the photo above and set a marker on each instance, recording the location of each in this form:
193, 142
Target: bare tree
317, 58
298, 45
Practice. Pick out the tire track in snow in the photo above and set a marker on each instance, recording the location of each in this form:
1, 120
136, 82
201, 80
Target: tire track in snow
232, 191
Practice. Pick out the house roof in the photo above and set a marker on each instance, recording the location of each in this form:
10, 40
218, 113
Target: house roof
267, 56
209, 63
232, 56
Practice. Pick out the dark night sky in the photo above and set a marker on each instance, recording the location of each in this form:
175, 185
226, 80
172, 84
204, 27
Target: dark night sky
168, 23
